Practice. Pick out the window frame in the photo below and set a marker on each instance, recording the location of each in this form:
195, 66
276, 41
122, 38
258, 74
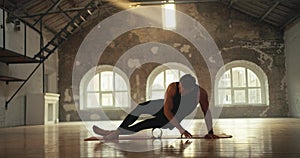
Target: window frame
89, 76
260, 74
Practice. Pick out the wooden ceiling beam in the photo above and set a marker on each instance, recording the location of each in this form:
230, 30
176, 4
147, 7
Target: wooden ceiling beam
276, 3
48, 10
53, 12
292, 19
67, 16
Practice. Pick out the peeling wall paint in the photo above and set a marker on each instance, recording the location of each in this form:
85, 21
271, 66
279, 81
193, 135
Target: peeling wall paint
283, 82
264, 57
134, 63
69, 107
176, 45
67, 96
212, 60
154, 50
185, 48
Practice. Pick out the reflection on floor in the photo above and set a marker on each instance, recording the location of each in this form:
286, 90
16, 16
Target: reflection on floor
251, 138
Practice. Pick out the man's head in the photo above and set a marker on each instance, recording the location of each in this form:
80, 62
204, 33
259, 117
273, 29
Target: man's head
187, 83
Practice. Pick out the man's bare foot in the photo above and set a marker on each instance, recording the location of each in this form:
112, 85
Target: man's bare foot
113, 135
100, 131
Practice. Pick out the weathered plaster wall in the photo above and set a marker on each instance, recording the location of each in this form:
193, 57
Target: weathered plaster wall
292, 40
238, 37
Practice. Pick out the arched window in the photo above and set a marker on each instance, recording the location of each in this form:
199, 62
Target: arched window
104, 86
242, 83
162, 76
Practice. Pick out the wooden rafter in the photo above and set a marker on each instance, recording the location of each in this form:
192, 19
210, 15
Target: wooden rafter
270, 10
49, 9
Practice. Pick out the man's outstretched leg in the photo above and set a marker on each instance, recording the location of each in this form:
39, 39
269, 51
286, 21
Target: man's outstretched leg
130, 119
149, 107
156, 122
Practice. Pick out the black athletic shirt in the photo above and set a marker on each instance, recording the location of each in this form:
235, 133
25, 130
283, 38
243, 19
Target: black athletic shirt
183, 105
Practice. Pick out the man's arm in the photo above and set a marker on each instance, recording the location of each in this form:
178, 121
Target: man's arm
205, 109
168, 106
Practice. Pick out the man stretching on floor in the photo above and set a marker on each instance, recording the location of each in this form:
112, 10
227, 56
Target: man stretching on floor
181, 99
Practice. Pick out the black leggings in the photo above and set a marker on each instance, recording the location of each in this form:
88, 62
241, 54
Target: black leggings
154, 108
